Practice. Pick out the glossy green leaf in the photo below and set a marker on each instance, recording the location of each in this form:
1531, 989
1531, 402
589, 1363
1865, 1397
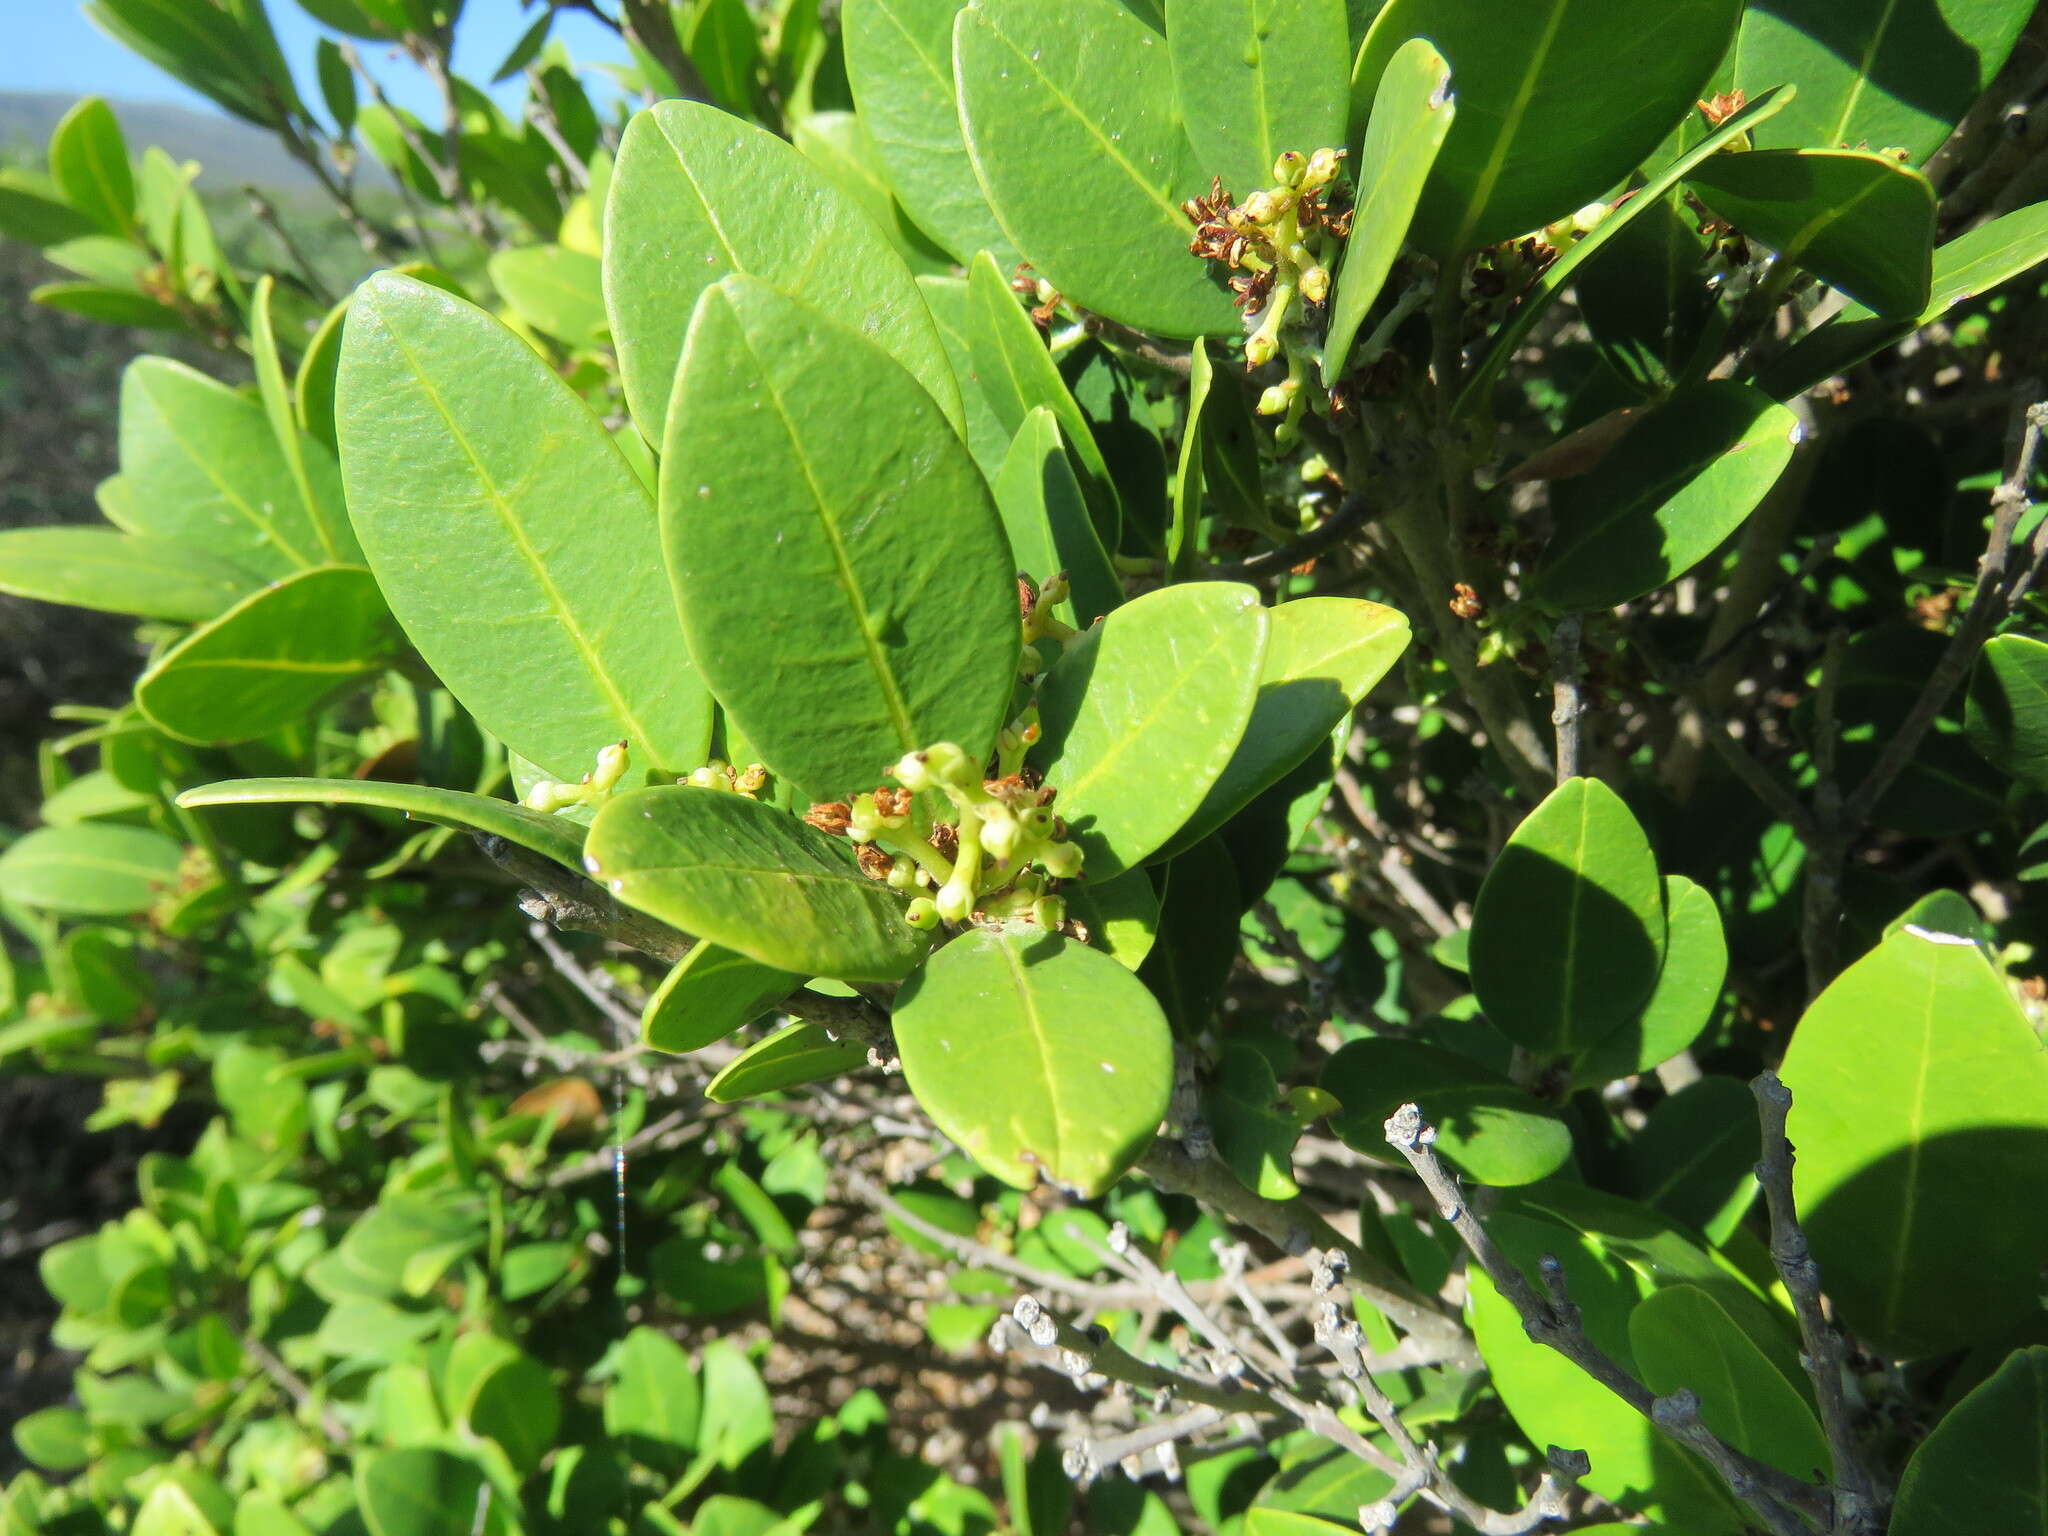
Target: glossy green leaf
417, 1491
2007, 718
696, 195
1557, 277
1258, 77
1873, 73
988, 439
202, 465
1184, 520
1685, 1340
708, 994
1121, 915
652, 1403
511, 538
806, 463
1860, 222
89, 163
1046, 517
108, 305
1143, 714
1072, 124
1635, 1465
1683, 478
1197, 940
1568, 931
1017, 375
313, 386
1490, 1130
273, 658
1037, 1055
797, 1054
1558, 100
1983, 1470
1920, 1111
1973, 263
899, 61
90, 870
1696, 1155
98, 568
1412, 113
1255, 1137
1682, 1003
753, 879
556, 837
56, 1439
553, 289
312, 463
838, 144
1323, 655
1648, 302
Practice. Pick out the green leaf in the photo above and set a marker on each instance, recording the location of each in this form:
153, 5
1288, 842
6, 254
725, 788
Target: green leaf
696, 195
512, 539
33, 211
1046, 517
988, 439
117, 573
753, 879
55, 1439
1859, 222
1490, 1130
1557, 277
1323, 655
1254, 1139
273, 658
798, 1054
202, 465
1682, 1003
312, 463
1973, 263
556, 837
94, 869
1122, 915
1037, 1055
652, 1402
1412, 113
1258, 77
1555, 1403
1983, 1470
1072, 124
807, 464
512, 1402
1558, 100
1189, 965
1683, 478
710, 993
1016, 375
338, 82
2007, 718
1685, 1340
108, 305
89, 163
1568, 931
838, 144
553, 289
1143, 714
1648, 303
1874, 72
417, 1491
1920, 1111
1695, 1157
899, 61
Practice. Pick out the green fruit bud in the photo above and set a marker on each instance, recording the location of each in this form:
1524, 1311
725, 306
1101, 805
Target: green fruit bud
999, 832
1315, 284
1061, 860
1260, 348
1262, 208
922, 913
1049, 912
1322, 168
955, 901
611, 767
1314, 467
1277, 398
910, 771
903, 875
1290, 168
945, 763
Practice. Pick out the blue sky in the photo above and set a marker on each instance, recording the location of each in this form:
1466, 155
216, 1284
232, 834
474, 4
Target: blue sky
52, 47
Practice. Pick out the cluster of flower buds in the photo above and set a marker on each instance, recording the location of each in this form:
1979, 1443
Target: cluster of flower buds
594, 788
1277, 242
1036, 604
748, 781
998, 860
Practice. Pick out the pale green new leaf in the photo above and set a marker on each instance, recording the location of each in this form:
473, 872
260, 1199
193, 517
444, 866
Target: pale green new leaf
89, 163
514, 542
1040, 1057
554, 289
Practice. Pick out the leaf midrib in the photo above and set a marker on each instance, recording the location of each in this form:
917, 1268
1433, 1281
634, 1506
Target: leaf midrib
248, 513
1916, 1115
1862, 76
1511, 123
1055, 1162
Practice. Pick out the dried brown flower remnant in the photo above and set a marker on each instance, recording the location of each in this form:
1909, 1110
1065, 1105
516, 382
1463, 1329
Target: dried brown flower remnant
1717, 109
874, 862
832, 817
1465, 602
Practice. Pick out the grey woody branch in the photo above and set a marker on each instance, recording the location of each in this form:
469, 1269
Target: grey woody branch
1782, 1503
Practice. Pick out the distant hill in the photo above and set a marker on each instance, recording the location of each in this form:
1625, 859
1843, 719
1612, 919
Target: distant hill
230, 153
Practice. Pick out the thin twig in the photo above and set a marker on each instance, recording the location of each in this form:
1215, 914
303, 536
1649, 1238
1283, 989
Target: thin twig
584, 980
1552, 1321
1568, 704
1333, 530
1858, 1498
265, 213
282, 1376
